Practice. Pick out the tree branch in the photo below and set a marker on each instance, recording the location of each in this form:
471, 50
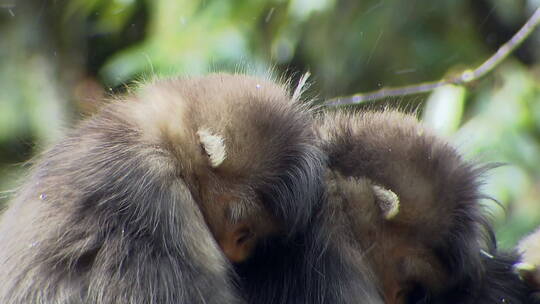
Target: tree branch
463, 78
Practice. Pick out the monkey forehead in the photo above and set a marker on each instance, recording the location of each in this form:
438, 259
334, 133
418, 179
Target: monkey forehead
257, 120
395, 150
216, 92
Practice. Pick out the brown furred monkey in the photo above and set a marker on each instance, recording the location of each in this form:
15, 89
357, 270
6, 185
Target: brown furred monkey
408, 204
128, 207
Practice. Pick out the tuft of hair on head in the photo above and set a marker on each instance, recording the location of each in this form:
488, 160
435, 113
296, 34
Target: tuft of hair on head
214, 146
301, 86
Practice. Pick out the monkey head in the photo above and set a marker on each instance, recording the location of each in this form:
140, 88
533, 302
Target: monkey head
244, 148
411, 203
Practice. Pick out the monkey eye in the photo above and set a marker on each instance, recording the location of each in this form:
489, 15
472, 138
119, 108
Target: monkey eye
244, 235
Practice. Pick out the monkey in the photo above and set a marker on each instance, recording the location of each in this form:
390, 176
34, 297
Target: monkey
155, 197
409, 205
162, 194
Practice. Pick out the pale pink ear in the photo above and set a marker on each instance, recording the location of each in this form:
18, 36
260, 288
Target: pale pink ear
387, 200
214, 146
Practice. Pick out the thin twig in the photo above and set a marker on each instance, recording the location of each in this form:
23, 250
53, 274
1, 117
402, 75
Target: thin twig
465, 77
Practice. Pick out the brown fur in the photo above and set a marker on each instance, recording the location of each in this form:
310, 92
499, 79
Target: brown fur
128, 208
434, 241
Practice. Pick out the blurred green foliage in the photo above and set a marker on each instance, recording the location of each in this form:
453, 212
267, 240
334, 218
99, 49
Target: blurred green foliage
59, 58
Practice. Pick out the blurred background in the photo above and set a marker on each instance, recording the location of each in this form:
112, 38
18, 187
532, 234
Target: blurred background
60, 58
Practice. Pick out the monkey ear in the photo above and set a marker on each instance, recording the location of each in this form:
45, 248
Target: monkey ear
214, 146
387, 200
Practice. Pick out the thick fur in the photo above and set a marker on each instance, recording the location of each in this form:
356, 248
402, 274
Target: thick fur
498, 283
439, 242
124, 209
311, 267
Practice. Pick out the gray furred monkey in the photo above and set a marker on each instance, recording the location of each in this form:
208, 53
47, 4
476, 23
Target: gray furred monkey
148, 200
405, 204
